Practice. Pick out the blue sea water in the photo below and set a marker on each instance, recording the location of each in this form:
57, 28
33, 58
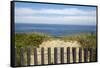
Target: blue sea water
54, 29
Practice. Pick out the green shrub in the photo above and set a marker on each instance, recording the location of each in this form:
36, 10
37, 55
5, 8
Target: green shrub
29, 39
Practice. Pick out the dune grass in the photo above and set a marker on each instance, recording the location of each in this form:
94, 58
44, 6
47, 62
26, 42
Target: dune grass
29, 39
85, 39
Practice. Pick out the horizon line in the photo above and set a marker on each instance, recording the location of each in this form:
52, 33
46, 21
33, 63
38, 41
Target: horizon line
58, 24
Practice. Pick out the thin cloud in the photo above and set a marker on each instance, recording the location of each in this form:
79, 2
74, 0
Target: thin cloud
67, 11
69, 16
86, 20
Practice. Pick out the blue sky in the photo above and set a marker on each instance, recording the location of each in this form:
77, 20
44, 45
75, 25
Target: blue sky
54, 14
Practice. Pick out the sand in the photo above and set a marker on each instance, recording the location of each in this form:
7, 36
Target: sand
59, 43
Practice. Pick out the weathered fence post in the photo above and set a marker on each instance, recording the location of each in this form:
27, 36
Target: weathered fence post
35, 56
55, 55
85, 54
42, 55
68, 54
74, 54
28, 56
80, 55
49, 55
22, 56
15, 57
91, 54
62, 55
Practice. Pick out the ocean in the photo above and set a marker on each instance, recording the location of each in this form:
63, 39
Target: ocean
54, 29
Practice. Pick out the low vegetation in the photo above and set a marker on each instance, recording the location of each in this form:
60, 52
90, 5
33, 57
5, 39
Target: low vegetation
35, 39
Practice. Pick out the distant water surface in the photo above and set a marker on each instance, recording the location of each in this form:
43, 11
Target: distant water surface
54, 29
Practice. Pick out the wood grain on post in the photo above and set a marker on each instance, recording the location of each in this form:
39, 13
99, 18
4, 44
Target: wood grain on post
35, 56
91, 55
55, 55
42, 55
28, 56
85, 54
80, 55
15, 57
62, 55
22, 56
49, 55
68, 55
74, 54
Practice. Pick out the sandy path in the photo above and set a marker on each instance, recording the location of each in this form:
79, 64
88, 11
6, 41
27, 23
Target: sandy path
60, 43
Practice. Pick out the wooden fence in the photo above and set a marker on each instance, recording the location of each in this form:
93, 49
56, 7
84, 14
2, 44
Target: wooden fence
65, 55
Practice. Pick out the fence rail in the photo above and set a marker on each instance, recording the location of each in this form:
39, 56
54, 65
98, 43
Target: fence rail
64, 55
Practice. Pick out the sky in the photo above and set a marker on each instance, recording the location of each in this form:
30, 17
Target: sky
54, 14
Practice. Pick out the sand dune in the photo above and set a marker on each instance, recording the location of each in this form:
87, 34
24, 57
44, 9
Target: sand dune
60, 43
